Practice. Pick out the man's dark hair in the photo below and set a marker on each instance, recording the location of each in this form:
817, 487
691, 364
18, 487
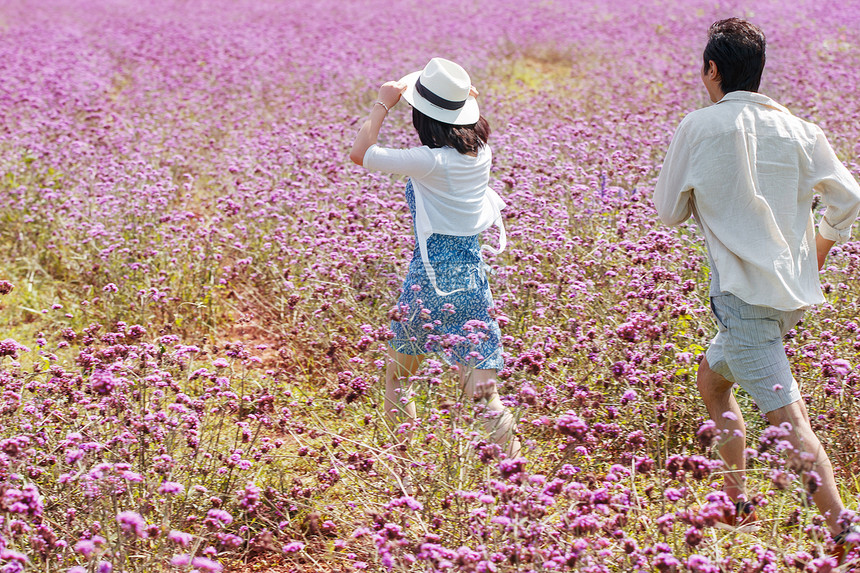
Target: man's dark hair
463, 138
737, 47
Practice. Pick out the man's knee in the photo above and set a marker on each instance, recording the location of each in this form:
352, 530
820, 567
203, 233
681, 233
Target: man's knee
709, 382
793, 414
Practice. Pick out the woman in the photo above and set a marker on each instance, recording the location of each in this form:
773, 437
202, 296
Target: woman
446, 301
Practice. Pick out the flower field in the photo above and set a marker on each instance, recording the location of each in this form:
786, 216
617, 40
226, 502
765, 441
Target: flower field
196, 286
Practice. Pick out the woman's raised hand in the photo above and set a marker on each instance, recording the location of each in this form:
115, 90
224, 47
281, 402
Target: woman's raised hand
389, 93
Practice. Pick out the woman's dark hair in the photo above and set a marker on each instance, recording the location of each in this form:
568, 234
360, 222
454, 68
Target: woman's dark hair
463, 138
737, 47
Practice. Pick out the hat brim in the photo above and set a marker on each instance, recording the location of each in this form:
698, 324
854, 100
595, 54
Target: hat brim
467, 115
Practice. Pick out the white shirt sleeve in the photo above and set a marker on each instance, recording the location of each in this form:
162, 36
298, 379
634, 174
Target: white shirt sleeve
839, 192
674, 189
415, 162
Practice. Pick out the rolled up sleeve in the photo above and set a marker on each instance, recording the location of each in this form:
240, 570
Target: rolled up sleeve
838, 189
673, 191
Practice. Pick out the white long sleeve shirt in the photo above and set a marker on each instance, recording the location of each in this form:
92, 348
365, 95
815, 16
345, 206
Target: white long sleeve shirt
452, 193
747, 170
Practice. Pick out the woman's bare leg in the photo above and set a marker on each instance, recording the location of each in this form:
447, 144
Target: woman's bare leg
399, 407
497, 420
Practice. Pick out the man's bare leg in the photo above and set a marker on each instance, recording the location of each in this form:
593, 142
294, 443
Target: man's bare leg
803, 438
723, 409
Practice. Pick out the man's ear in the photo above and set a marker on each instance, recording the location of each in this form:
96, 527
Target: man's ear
713, 73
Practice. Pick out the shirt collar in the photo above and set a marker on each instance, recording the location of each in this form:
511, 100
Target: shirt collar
753, 97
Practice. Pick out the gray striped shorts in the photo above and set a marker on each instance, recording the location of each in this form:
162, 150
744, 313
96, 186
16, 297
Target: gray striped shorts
749, 351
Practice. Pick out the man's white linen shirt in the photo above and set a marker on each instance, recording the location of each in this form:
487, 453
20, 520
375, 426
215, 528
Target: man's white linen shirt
747, 170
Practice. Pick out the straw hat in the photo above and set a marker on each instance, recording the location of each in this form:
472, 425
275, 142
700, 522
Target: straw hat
441, 91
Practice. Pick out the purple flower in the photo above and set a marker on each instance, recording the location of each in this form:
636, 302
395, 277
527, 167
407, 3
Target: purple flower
799, 560
707, 434
585, 524
15, 446
840, 367
85, 547
629, 396
693, 536
528, 395
407, 501
131, 523
73, 456
218, 518
10, 555
666, 563
701, 564
171, 488
509, 468
644, 465
102, 382
25, 500
249, 497
206, 565
822, 565
181, 560
228, 540
665, 523
569, 424
11, 348
812, 481
180, 538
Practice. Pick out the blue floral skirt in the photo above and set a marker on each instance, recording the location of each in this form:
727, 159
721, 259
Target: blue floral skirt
458, 326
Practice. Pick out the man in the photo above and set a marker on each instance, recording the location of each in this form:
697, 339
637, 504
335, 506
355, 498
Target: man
747, 170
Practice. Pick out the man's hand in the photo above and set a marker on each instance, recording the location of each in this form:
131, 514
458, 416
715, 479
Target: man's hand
822, 247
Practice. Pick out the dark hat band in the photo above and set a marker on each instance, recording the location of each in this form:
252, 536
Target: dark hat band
436, 100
